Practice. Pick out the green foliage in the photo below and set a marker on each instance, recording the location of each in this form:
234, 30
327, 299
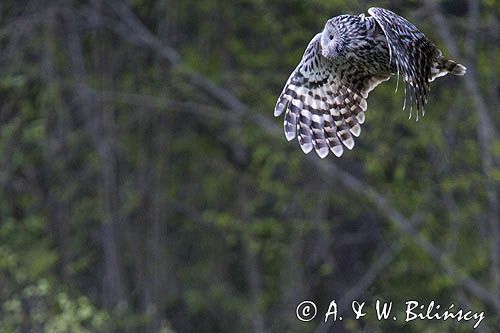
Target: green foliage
219, 225
29, 288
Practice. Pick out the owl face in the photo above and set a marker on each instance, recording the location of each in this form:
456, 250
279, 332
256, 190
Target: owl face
331, 41
335, 40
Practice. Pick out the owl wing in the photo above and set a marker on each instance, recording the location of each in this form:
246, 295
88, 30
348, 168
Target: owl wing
324, 102
412, 52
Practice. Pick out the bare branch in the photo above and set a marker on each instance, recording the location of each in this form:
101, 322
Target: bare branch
158, 102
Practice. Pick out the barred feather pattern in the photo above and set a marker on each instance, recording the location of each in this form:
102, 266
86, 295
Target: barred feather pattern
412, 53
324, 99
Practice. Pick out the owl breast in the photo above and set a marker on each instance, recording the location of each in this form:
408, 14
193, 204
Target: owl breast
371, 53
365, 44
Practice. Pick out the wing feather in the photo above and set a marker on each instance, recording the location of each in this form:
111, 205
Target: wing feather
412, 52
324, 102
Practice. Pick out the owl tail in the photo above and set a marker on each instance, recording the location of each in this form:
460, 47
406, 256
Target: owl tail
444, 66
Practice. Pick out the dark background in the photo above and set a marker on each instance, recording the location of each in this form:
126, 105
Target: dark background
146, 187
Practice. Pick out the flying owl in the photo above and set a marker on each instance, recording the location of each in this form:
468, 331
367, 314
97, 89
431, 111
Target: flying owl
324, 99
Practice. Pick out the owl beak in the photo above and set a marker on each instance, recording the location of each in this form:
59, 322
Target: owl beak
328, 51
327, 54
324, 51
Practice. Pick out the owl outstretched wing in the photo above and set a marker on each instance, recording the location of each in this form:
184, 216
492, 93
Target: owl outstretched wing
324, 101
411, 51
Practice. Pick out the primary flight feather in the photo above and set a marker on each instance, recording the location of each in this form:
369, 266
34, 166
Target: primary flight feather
324, 100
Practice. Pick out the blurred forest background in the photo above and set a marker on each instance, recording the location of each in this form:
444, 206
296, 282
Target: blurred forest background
146, 186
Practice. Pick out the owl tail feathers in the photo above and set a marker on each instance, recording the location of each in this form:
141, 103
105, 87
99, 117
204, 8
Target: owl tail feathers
454, 68
444, 66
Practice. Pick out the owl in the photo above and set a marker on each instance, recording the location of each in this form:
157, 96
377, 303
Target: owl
324, 99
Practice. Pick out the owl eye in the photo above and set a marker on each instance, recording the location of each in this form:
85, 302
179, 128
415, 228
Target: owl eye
331, 37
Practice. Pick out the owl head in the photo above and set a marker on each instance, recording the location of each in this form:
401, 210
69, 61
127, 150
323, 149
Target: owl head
334, 37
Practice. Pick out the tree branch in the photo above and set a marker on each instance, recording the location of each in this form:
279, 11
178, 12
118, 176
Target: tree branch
158, 102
